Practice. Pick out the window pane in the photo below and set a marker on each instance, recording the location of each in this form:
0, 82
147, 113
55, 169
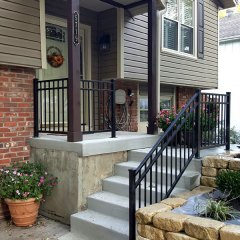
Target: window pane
186, 39
170, 34
186, 12
172, 10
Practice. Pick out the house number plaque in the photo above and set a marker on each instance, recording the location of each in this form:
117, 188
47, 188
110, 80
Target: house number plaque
76, 28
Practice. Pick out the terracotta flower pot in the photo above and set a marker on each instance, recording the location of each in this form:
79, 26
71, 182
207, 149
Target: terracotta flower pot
4, 211
23, 212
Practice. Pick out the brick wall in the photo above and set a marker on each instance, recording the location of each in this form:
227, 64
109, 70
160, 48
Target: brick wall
131, 104
183, 94
16, 113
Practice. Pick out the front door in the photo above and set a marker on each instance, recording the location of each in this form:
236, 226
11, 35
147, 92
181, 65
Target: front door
57, 67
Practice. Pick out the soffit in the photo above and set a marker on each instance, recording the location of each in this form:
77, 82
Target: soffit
228, 3
99, 6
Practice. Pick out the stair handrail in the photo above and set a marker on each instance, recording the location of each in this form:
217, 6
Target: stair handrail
190, 113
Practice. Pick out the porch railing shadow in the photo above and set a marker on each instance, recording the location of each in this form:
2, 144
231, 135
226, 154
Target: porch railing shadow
97, 100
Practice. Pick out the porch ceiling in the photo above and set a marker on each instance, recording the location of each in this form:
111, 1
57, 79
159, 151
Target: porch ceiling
98, 5
228, 3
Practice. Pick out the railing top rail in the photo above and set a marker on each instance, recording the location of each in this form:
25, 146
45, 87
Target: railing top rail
215, 94
164, 135
52, 80
82, 80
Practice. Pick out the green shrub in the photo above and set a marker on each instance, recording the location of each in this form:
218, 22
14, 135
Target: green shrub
234, 136
229, 182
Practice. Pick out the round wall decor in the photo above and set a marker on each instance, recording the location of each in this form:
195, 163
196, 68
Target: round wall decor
54, 56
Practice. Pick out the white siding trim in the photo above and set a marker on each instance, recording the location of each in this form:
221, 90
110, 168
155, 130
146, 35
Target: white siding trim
43, 34
120, 43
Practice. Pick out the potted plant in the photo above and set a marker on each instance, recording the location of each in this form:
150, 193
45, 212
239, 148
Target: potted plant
165, 118
22, 187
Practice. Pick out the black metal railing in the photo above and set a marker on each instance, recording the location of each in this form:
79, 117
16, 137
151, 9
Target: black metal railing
161, 169
215, 120
97, 100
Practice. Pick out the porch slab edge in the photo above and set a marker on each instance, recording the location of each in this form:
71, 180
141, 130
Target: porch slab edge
96, 146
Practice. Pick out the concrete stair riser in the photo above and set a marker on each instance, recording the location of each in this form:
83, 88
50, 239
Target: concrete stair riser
189, 180
91, 225
119, 185
139, 155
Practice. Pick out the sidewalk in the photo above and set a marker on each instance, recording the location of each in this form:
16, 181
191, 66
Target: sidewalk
44, 229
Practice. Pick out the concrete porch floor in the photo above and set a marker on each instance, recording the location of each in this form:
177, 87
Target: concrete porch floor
97, 143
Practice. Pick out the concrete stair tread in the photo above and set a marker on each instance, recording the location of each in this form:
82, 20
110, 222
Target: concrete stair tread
110, 198
125, 182
147, 150
134, 164
89, 221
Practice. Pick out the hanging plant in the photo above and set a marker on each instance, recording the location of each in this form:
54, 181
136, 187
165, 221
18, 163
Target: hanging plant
54, 56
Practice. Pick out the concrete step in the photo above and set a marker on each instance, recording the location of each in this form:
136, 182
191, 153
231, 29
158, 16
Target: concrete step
139, 154
120, 185
109, 203
189, 180
92, 225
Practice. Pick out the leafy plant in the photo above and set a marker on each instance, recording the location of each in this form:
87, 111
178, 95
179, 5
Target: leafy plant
219, 210
234, 136
165, 118
29, 180
229, 181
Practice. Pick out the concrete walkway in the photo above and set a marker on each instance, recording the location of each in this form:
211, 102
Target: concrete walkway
44, 229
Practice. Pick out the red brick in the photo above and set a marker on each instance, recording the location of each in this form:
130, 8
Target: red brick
5, 161
24, 105
4, 150
17, 100
10, 155
23, 154
16, 112
24, 114
4, 130
10, 124
16, 149
10, 134
18, 139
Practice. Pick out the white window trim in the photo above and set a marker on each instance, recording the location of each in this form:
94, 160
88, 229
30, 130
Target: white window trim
167, 50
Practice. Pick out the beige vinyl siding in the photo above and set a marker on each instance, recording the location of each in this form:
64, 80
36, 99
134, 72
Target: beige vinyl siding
203, 73
20, 41
175, 69
135, 47
108, 60
58, 8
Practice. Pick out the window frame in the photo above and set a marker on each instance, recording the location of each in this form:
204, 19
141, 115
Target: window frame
178, 52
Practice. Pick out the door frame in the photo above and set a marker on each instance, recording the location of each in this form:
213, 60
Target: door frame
88, 43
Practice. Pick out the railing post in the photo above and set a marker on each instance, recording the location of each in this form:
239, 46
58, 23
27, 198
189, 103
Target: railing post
228, 117
35, 106
132, 204
197, 124
113, 120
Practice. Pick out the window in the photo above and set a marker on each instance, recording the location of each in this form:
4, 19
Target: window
179, 26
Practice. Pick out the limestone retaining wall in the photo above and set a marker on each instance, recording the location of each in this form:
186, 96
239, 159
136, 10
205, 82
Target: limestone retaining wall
79, 177
158, 222
211, 165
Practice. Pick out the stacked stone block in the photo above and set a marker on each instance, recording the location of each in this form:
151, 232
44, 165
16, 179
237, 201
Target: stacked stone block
212, 165
158, 222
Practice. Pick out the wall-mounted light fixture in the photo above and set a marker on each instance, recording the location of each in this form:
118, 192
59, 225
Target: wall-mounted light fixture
105, 43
